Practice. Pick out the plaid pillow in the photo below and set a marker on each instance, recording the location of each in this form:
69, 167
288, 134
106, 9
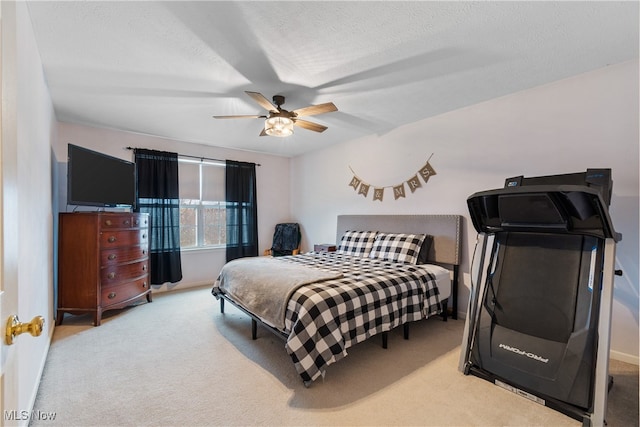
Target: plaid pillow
397, 247
358, 243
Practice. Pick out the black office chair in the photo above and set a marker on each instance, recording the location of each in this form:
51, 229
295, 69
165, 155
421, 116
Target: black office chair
286, 240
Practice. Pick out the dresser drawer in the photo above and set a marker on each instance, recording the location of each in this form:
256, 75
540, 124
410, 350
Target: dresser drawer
125, 220
117, 238
116, 221
123, 272
124, 254
140, 220
118, 293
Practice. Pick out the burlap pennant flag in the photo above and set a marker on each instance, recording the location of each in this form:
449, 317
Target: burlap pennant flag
364, 189
355, 181
426, 172
398, 191
414, 183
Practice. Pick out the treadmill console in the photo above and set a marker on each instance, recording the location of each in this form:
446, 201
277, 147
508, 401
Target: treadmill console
575, 203
599, 179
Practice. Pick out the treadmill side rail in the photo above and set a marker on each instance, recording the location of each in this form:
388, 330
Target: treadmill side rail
604, 331
482, 251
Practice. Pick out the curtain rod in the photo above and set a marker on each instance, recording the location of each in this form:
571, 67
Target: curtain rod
193, 157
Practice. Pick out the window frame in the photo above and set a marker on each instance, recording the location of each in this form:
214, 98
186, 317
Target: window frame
201, 205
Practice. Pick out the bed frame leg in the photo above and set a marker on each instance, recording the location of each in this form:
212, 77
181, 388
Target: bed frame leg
384, 339
405, 330
254, 329
222, 305
445, 311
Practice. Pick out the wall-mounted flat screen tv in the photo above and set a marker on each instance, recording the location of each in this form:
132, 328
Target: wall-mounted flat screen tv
95, 179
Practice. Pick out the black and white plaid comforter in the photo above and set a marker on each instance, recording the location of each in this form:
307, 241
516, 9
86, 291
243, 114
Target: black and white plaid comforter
324, 319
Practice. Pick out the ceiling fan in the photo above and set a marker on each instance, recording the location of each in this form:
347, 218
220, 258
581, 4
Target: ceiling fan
280, 122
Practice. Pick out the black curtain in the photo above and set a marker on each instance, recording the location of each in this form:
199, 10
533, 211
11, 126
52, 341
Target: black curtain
158, 195
242, 210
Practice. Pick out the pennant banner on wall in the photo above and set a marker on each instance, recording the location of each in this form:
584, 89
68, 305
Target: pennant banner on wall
413, 183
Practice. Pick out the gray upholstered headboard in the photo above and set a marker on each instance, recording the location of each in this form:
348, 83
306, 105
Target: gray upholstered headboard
445, 229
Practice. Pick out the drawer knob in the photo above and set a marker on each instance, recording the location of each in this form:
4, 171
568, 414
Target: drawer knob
144, 252
144, 285
144, 236
136, 222
144, 267
111, 257
111, 239
111, 275
108, 222
111, 295
126, 222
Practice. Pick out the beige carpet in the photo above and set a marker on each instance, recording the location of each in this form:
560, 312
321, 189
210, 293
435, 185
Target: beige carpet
178, 361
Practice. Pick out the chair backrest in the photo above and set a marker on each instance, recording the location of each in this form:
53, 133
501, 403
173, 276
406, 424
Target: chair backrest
286, 238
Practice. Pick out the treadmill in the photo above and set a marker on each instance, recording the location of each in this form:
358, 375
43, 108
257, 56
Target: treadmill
539, 315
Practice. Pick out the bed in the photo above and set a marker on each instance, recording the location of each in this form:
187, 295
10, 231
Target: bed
382, 276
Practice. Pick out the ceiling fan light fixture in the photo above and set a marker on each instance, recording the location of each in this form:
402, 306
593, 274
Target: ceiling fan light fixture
278, 126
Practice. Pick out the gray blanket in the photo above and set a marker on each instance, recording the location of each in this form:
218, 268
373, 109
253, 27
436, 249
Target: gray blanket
263, 285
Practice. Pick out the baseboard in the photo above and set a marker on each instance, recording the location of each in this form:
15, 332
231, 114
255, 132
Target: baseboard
43, 362
624, 357
169, 287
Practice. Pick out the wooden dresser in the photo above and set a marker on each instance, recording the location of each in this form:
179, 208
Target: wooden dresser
103, 262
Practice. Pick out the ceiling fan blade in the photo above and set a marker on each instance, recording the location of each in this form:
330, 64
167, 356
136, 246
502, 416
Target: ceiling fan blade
315, 109
263, 133
310, 125
262, 101
240, 117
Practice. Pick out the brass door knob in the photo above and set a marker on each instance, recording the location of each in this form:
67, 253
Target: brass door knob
15, 327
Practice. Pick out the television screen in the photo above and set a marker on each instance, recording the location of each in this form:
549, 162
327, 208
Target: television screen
95, 179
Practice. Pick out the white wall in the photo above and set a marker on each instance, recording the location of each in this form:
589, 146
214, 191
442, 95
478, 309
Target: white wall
588, 121
201, 266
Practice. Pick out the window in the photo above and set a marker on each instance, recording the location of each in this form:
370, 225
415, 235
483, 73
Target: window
202, 204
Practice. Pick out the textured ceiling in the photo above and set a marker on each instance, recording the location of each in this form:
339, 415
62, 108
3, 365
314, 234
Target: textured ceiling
165, 68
